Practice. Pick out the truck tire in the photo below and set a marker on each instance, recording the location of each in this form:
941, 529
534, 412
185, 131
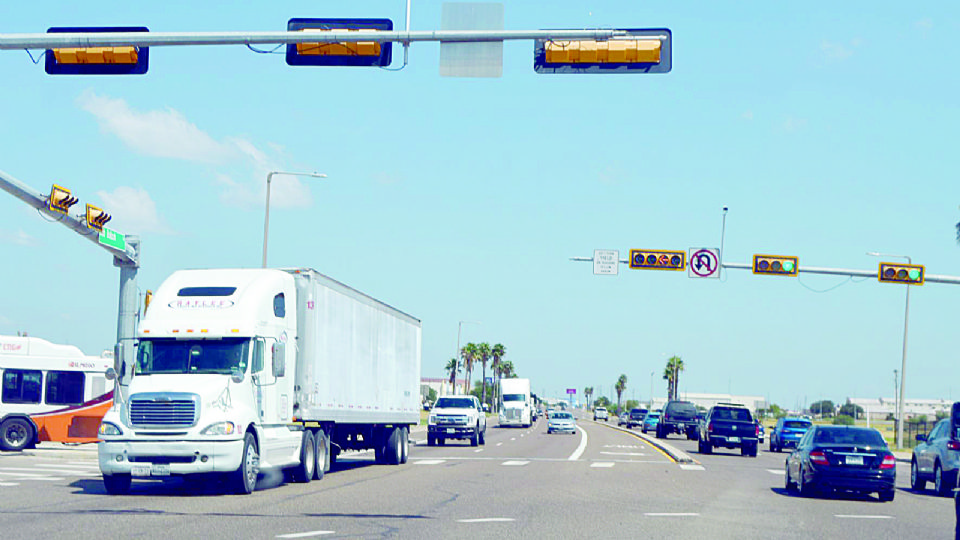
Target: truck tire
483, 437
117, 484
244, 479
303, 471
704, 447
431, 440
475, 438
406, 445
393, 449
661, 433
322, 445
15, 434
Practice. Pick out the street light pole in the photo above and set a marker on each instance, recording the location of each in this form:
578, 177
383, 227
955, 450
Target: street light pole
903, 359
457, 357
651, 391
266, 214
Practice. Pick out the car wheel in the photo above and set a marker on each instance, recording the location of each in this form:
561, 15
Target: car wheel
940, 483
788, 484
704, 446
886, 495
807, 489
916, 482
117, 484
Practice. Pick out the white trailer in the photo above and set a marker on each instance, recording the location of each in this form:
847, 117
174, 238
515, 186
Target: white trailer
240, 370
516, 403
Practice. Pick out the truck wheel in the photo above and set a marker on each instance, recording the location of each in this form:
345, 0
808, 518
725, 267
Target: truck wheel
406, 445
244, 479
431, 440
117, 484
475, 438
393, 449
483, 437
704, 447
303, 472
15, 434
322, 446
660, 433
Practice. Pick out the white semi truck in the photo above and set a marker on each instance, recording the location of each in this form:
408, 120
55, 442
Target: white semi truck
516, 403
239, 370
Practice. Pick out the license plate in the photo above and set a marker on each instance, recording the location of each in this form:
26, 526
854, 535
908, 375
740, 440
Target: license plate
150, 469
733, 439
854, 460
681, 426
451, 430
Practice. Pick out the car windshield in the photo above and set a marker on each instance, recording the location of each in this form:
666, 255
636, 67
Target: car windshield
601, 409
857, 436
514, 397
682, 409
739, 415
796, 424
454, 403
171, 356
562, 416
653, 416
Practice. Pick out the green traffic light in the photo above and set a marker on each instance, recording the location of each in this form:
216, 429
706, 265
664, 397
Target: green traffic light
788, 266
914, 274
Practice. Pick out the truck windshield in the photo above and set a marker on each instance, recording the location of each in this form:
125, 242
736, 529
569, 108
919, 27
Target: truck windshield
514, 397
156, 356
454, 403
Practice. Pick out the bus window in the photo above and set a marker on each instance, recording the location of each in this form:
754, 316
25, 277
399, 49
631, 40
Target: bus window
64, 388
21, 386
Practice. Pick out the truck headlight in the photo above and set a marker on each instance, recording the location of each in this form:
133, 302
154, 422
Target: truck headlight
220, 428
432, 419
108, 429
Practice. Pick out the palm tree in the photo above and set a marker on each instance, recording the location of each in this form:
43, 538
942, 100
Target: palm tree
506, 370
620, 387
469, 355
587, 392
483, 354
671, 374
452, 368
498, 352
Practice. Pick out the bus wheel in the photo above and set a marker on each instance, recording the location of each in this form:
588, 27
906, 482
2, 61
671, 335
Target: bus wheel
15, 434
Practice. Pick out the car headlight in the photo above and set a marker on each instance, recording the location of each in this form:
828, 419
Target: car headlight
220, 428
432, 419
108, 429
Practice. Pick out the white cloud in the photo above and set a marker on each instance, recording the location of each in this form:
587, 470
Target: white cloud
134, 210
18, 237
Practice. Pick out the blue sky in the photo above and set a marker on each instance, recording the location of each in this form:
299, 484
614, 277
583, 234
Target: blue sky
827, 129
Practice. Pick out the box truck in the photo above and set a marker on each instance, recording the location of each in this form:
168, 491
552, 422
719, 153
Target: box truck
516, 403
240, 370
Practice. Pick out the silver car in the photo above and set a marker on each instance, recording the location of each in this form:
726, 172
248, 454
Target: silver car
936, 459
561, 422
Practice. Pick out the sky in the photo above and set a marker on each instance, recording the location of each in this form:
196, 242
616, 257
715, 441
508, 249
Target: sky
827, 129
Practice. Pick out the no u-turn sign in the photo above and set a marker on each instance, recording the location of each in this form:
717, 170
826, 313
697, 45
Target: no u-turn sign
704, 263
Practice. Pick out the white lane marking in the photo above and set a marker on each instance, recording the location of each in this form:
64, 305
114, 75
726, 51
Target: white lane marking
619, 446
671, 514
602, 464
622, 453
513, 438
304, 534
523, 434
8, 484
53, 470
781, 472
692, 467
486, 520
499, 444
478, 450
86, 464
517, 463
428, 461
25, 476
854, 516
583, 446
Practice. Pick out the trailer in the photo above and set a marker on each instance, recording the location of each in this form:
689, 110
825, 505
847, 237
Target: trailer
243, 370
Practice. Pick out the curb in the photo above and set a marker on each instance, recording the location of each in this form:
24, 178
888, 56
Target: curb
675, 453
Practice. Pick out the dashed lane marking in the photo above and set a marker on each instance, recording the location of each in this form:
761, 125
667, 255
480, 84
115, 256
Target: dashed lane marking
8, 484
517, 463
602, 464
26, 476
781, 472
305, 534
52, 470
622, 453
499, 444
428, 461
854, 516
692, 467
486, 520
671, 514
478, 450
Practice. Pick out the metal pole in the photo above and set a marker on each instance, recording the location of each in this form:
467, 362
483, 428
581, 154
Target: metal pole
723, 233
903, 366
457, 357
124, 353
266, 213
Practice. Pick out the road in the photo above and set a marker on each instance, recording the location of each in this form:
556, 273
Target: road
600, 482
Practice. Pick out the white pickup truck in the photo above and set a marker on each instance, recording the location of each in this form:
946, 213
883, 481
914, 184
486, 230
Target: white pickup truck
600, 413
456, 417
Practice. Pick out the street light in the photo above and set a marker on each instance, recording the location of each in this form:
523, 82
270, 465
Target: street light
266, 217
651, 390
457, 357
903, 360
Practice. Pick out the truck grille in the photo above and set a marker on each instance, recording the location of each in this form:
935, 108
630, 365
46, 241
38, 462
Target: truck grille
511, 413
164, 410
451, 420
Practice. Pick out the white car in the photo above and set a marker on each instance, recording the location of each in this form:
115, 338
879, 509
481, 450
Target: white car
562, 422
600, 413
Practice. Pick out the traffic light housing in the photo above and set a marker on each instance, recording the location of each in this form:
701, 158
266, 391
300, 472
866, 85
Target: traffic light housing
97, 218
642, 50
347, 53
775, 265
650, 259
911, 274
60, 199
122, 60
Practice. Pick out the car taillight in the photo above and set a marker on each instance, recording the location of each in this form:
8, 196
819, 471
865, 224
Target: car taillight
953, 445
889, 462
758, 431
818, 458
710, 428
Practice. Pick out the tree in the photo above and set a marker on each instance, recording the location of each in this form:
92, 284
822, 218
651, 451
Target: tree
469, 354
603, 401
431, 395
497, 352
631, 404
671, 374
506, 370
587, 392
453, 367
851, 410
823, 407
620, 387
483, 354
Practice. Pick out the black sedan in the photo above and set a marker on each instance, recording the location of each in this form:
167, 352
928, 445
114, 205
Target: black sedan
842, 458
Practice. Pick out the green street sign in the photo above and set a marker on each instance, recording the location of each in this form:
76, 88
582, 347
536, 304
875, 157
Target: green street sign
111, 238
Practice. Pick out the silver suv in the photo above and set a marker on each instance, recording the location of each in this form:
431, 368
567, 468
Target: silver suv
936, 459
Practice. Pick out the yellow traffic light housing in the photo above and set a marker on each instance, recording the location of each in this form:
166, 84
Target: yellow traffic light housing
348, 48
614, 51
60, 199
911, 274
775, 265
97, 218
96, 55
119, 60
340, 53
650, 259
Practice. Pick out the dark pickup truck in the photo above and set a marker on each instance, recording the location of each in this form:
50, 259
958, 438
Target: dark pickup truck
729, 425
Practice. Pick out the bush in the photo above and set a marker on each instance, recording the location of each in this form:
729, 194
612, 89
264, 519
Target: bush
843, 420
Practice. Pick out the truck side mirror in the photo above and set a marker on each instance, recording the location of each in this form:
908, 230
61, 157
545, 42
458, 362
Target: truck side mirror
955, 421
279, 356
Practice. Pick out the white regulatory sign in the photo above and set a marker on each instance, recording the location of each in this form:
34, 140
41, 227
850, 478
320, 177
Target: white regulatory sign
703, 263
606, 262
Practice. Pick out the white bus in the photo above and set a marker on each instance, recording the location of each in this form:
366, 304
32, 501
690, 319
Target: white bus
50, 392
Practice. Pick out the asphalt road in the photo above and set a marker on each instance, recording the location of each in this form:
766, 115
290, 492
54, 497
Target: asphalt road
601, 482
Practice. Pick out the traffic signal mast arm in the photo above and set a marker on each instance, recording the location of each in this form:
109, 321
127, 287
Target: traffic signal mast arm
935, 278
161, 39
